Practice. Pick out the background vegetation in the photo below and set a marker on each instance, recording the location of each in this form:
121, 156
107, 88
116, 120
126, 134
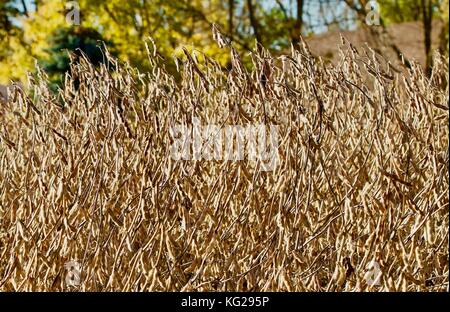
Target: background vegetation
30, 29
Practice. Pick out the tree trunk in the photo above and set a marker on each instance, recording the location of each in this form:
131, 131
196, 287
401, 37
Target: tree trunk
298, 23
380, 34
253, 21
25, 9
230, 18
427, 17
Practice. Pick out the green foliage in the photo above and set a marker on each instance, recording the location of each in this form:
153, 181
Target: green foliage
74, 40
274, 33
10, 34
7, 12
400, 11
444, 36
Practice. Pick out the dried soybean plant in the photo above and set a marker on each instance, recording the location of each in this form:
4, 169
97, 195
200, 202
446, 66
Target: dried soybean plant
361, 186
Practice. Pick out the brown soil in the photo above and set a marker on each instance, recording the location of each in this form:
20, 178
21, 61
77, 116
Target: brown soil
407, 36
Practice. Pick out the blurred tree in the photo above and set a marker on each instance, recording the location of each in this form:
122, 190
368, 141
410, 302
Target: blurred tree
7, 12
398, 11
444, 36
28, 40
428, 7
11, 35
75, 40
171, 24
126, 24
